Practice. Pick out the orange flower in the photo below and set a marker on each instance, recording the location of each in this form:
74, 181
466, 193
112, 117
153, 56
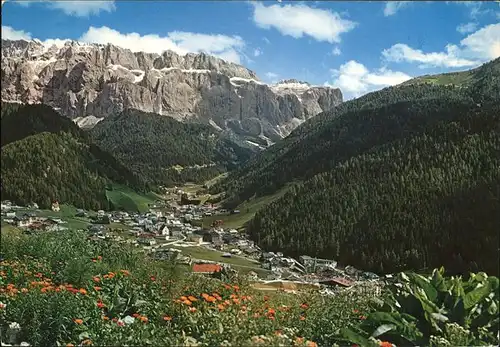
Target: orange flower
236, 301
99, 257
304, 306
24, 290
236, 288
83, 291
192, 298
227, 302
167, 318
233, 296
210, 299
152, 278
105, 317
302, 318
143, 319
299, 340
227, 286
385, 344
96, 279
271, 311
78, 321
135, 315
184, 298
362, 317
70, 345
125, 272
217, 296
221, 307
187, 302
278, 333
96, 288
87, 342
311, 344
100, 304
355, 311
192, 309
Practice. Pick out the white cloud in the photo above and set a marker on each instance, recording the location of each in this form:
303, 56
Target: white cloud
257, 52
271, 75
354, 79
391, 7
9, 33
226, 47
467, 28
478, 47
300, 20
474, 7
83, 8
77, 8
336, 51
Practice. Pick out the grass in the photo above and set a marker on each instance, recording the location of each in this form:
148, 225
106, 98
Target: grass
463, 78
124, 198
247, 211
212, 255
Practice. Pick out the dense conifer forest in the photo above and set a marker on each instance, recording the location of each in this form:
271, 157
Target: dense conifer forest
46, 157
164, 151
404, 178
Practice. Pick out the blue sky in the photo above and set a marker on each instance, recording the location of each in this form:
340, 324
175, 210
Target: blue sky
357, 46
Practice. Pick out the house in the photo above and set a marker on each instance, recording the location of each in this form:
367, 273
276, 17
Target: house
337, 281
312, 264
23, 221
206, 268
195, 238
55, 206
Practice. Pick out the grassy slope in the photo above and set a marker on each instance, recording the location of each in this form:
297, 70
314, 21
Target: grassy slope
127, 199
247, 211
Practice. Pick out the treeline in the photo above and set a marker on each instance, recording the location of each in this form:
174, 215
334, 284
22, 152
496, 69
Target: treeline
46, 157
152, 146
418, 188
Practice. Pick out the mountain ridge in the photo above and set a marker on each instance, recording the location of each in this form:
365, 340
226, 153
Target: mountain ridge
90, 80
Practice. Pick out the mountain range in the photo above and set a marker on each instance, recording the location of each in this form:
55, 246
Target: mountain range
89, 82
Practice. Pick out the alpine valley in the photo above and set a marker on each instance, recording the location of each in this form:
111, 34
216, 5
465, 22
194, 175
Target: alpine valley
179, 199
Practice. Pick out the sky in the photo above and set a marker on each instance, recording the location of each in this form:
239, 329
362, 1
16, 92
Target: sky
356, 46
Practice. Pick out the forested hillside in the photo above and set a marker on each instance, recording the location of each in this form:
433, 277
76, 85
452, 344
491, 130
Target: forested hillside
404, 178
164, 151
430, 197
45, 157
327, 139
19, 121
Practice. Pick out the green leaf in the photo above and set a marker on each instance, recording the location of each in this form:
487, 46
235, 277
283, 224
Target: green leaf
476, 296
438, 281
354, 337
382, 329
425, 284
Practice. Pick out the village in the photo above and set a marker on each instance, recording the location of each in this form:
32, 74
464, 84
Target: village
174, 230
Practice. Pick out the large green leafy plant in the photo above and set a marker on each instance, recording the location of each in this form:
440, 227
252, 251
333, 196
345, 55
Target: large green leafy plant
434, 311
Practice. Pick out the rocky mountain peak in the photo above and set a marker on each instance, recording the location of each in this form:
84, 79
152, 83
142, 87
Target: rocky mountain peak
87, 82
